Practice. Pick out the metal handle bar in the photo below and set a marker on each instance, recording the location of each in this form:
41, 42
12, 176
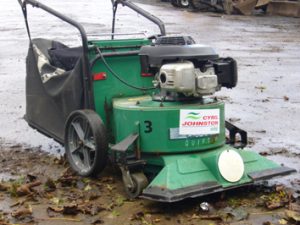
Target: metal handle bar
116, 34
144, 13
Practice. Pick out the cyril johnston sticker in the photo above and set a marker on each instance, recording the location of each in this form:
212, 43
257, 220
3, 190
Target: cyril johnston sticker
196, 122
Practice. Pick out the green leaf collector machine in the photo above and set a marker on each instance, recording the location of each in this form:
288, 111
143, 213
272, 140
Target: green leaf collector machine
147, 105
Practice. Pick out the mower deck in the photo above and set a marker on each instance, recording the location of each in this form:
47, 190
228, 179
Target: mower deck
197, 174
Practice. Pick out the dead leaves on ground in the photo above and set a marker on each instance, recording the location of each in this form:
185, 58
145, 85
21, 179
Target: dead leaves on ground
144, 218
279, 198
292, 215
74, 208
26, 189
22, 212
70, 195
67, 195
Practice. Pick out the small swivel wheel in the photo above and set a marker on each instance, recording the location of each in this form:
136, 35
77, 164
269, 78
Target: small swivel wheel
86, 142
139, 182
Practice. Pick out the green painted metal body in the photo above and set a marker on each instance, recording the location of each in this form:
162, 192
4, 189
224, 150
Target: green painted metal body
175, 162
154, 122
127, 67
179, 171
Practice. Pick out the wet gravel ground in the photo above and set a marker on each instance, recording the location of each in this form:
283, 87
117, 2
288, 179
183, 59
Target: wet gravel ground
62, 198
266, 101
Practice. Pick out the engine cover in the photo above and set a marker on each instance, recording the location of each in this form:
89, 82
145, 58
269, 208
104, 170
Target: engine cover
155, 56
170, 56
183, 77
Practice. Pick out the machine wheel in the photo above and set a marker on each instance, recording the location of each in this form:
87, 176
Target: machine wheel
86, 143
140, 181
183, 3
175, 3
197, 5
180, 3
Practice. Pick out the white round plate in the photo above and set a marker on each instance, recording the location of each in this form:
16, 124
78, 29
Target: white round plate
231, 165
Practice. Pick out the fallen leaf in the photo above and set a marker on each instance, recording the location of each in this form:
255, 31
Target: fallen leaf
109, 187
87, 188
195, 216
69, 181
274, 205
90, 208
26, 189
279, 188
4, 187
21, 213
137, 216
71, 209
56, 201
92, 194
97, 221
120, 200
110, 206
294, 207
115, 213
55, 209
31, 177
50, 185
292, 215
59, 161
108, 180
157, 220
267, 223
282, 221
86, 180
261, 88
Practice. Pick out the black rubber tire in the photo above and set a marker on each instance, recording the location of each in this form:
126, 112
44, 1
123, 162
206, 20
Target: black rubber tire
91, 148
197, 5
140, 181
183, 3
175, 3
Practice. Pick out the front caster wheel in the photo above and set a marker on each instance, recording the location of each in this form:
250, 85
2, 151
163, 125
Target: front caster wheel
86, 142
139, 181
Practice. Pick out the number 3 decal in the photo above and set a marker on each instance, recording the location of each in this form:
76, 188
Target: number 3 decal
148, 125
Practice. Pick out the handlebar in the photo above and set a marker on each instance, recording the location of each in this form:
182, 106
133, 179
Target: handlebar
144, 13
87, 81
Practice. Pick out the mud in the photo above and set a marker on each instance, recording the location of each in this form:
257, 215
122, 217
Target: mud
266, 101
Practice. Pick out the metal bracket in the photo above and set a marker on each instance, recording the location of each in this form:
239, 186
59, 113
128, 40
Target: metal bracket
233, 131
126, 177
123, 145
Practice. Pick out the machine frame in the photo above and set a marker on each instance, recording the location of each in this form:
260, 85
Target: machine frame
104, 122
